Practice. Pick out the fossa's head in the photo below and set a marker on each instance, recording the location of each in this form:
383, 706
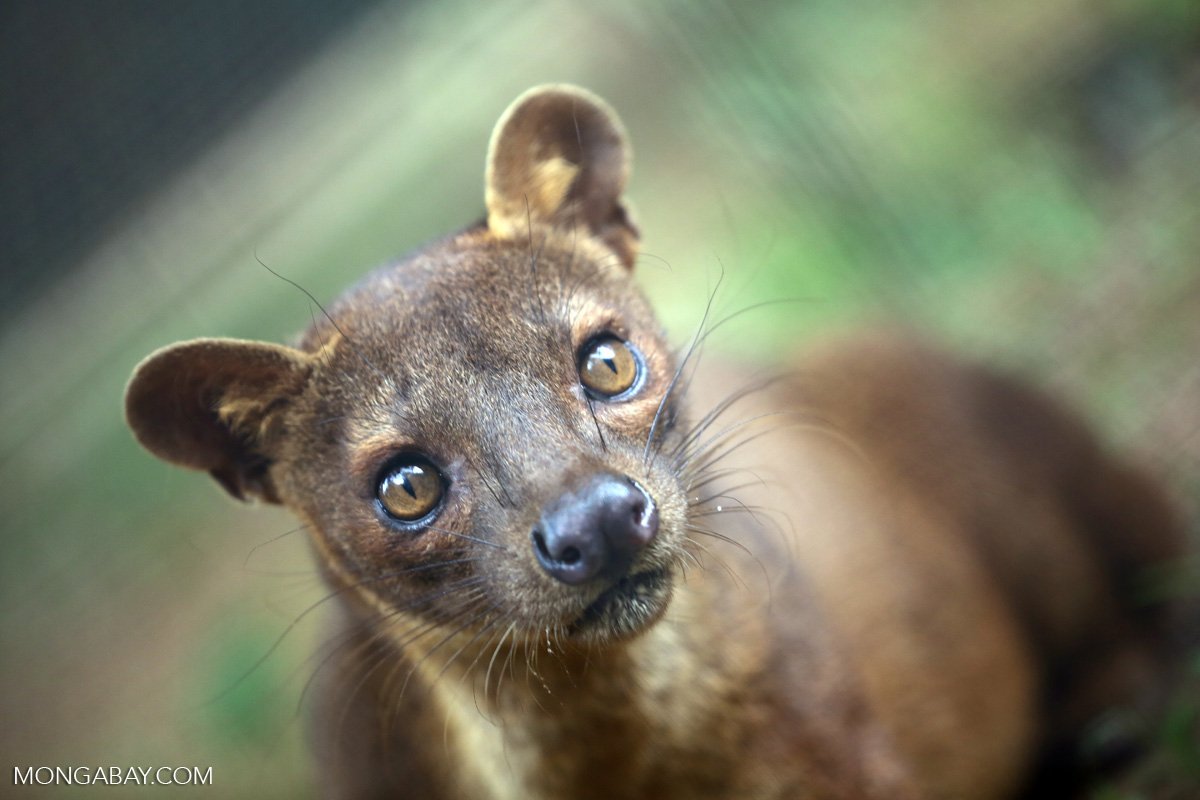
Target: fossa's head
488, 424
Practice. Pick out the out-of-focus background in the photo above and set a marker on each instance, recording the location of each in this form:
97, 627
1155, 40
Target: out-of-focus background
1020, 179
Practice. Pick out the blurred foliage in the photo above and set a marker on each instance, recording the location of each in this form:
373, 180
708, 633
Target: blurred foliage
1018, 178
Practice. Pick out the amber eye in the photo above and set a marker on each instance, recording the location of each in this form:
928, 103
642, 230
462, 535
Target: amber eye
411, 488
608, 367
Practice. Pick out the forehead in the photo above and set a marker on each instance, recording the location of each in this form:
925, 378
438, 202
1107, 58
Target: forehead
476, 293
473, 325
477, 276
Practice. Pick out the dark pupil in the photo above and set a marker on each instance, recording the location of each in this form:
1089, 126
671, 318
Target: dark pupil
606, 354
405, 483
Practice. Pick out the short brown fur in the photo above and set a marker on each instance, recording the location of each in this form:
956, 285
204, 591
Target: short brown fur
898, 576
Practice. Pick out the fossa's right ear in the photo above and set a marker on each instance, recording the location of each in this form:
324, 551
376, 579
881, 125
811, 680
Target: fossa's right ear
559, 156
213, 404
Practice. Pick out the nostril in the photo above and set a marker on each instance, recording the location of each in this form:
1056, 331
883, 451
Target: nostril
564, 555
641, 505
539, 542
569, 556
638, 507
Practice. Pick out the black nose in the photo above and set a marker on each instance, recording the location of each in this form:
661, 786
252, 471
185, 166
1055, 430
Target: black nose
594, 529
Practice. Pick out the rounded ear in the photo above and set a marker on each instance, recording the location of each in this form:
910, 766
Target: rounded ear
559, 156
213, 404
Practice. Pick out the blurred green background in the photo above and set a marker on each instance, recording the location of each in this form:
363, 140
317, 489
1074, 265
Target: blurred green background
1020, 179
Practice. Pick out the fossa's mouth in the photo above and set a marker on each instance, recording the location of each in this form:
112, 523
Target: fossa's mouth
628, 606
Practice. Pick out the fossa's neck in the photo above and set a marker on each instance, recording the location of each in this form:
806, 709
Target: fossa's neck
540, 719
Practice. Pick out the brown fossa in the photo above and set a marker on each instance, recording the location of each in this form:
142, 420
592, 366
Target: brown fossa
569, 563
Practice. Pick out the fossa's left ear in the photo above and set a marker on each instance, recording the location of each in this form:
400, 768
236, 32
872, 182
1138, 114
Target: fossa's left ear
559, 157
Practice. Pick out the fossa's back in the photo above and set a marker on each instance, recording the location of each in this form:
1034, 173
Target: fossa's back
975, 554
567, 567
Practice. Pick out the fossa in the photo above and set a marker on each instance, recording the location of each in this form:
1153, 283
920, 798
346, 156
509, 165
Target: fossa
569, 563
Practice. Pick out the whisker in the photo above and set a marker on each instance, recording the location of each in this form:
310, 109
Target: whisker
716, 439
487, 678
756, 307
467, 537
533, 261
717, 411
703, 478
679, 371
705, 459
592, 408
310, 609
699, 502
442, 643
720, 561
471, 641
272, 540
353, 345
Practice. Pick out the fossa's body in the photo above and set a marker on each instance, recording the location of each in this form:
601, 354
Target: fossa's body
886, 574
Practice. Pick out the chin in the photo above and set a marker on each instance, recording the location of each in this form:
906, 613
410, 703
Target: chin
626, 609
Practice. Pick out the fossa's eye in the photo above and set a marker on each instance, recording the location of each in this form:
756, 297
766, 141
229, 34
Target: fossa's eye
609, 368
410, 489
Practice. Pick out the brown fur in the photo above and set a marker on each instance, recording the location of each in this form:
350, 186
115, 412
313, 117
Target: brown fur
902, 576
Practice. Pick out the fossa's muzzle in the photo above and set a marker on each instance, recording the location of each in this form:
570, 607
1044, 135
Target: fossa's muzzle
595, 530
